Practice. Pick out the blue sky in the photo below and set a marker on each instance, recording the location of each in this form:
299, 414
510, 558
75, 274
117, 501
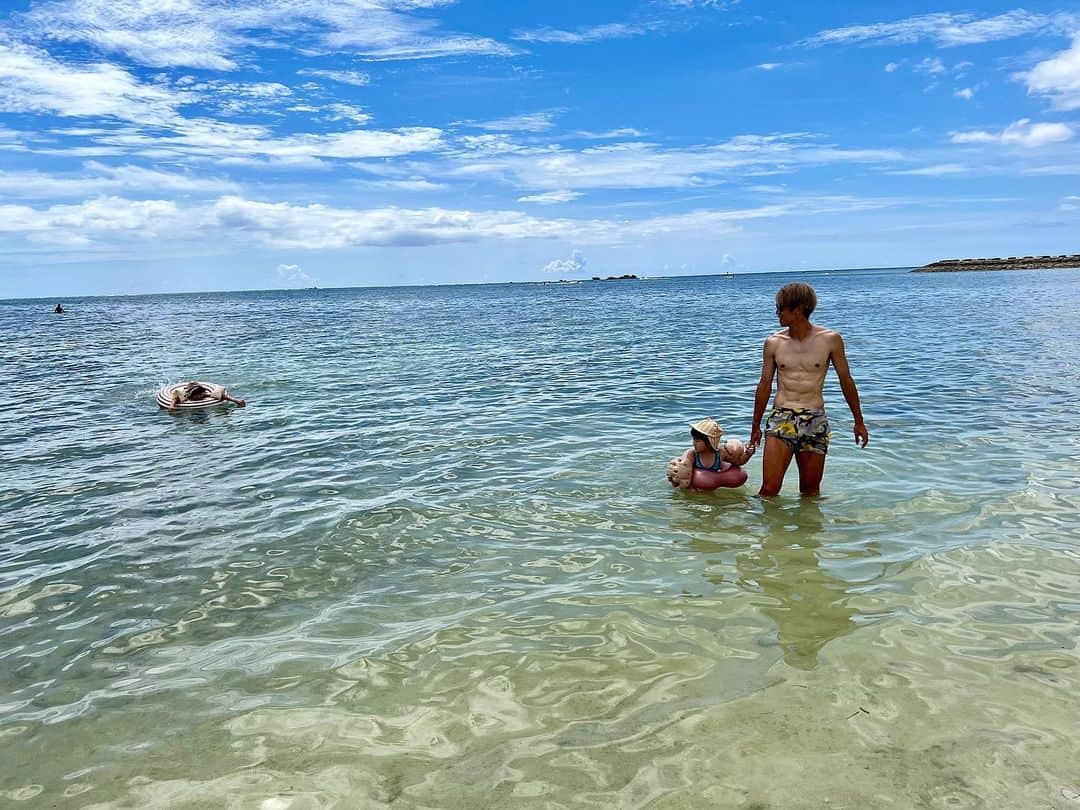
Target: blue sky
175, 145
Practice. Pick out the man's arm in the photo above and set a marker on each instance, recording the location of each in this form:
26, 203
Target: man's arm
764, 391
851, 393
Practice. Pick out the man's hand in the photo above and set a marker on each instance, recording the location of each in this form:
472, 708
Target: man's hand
862, 435
755, 439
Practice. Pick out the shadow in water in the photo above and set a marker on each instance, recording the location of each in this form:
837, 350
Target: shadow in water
776, 551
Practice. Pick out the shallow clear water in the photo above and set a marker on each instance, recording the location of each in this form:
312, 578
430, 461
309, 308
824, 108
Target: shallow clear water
435, 563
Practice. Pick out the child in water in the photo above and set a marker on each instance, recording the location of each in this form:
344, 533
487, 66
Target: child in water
709, 464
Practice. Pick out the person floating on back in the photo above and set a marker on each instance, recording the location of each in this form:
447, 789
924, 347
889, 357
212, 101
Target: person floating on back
709, 464
799, 356
200, 392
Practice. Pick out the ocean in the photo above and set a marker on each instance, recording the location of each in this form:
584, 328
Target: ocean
434, 563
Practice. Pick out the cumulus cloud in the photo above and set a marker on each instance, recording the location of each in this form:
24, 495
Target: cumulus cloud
930, 66
551, 197
966, 93
82, 223
947, 29
575, 264
1019, 133
1058, 78
316, 227
292, 274
109, 220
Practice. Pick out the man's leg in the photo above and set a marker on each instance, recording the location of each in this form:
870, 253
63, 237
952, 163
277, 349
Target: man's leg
773, 466
811, 468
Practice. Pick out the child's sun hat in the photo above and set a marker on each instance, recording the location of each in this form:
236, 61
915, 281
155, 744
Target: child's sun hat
710, 430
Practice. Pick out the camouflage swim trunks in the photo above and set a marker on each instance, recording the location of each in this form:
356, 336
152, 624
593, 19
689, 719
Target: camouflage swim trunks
801, 429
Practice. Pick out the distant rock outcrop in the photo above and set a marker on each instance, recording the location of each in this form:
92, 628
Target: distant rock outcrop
1011, 263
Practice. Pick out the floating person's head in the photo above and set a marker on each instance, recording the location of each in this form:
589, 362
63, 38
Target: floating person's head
708, 432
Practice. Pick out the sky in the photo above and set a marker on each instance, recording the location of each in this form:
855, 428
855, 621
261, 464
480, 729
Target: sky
188, 145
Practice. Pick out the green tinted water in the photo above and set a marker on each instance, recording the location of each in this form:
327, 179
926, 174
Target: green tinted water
435, 563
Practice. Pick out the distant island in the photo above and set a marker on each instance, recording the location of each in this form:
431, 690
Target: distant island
1011, 263
614, 278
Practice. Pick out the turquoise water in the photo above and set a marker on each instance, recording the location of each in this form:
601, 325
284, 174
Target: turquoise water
435, 563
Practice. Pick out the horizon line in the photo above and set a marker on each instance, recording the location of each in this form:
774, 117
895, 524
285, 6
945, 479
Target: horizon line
448, 284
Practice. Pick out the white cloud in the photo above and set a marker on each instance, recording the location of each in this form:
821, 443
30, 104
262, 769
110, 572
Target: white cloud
417, 47
1021, 133
769, 65
411, 184
892, 67
622, 132
108, 220
930, 66
97, 179
719, 4
1058, 78
947, 29
353, 77
32, 81
151, 32
293, 275
936, 170
643, 165
528, 122
966, 93
347, 112
316, 227
1070, 203
551, 197
575, 264
219, 141
209, 34
594, 33
80, 224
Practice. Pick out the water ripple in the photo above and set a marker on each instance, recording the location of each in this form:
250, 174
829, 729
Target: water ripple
435, 563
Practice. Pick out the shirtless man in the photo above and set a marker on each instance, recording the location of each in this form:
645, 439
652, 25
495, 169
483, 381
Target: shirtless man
800, 355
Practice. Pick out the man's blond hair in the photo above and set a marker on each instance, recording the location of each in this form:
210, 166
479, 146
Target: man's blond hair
797, 295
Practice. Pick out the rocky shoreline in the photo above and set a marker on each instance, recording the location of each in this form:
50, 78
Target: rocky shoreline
1011, 263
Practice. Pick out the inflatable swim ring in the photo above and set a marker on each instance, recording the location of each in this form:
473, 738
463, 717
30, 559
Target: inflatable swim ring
733, 476
680, 473
165, 397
